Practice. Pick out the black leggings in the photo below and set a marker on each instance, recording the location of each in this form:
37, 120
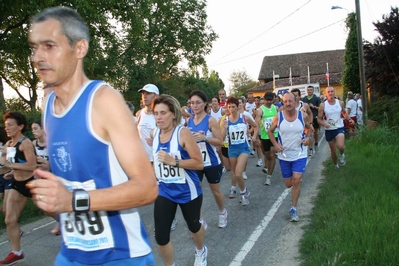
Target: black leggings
165, 211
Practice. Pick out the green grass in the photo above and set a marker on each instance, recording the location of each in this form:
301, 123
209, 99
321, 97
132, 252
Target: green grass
355, 220
29, 214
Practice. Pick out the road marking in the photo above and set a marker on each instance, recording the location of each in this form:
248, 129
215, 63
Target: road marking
246, 248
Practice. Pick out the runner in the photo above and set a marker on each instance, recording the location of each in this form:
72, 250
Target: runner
176, 159
21, 159
207, 133
264, 117
292, 154
314, 102
330, 116
235, 126
96, 181
40, 143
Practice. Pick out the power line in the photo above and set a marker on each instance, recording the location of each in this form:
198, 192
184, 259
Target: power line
300, 37
292, 13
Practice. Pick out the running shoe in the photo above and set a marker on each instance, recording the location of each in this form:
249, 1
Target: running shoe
265, 170
260, 163
245, 198
316, 147
252, 152
203, 222
342, 160
224, 170
336, 166
173, 226
294, 216
223, 219
268, 182
200, 259
244, 175
233, 193
310, 152
12, 259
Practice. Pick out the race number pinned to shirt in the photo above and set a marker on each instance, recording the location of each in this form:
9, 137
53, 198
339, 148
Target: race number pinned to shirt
87, 231
11, 152
205, 154
237, 133
167, 173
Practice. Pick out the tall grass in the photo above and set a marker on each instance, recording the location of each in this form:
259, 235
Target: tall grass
355, 220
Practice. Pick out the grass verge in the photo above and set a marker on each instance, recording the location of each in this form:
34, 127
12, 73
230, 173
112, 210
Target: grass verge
355, 220
29, 214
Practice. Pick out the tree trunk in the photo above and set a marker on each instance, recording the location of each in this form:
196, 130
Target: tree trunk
3, 108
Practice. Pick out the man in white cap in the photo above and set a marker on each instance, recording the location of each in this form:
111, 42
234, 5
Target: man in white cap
145, 117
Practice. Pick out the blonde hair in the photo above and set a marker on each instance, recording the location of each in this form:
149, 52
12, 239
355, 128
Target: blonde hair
173, 105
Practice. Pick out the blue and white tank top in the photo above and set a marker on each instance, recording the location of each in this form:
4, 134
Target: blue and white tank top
237, 133
208, 151
290, 136
176, 184
83, 160
332, 115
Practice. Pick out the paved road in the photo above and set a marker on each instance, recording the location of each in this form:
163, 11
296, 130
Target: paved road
257, 234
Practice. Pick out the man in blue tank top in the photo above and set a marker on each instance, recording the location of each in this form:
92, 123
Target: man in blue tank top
99, 175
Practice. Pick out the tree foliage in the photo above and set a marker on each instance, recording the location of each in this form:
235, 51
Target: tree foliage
132, 42
350, 76
241, 82
382, 57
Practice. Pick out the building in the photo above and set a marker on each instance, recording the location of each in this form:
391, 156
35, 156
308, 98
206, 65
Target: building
316, 62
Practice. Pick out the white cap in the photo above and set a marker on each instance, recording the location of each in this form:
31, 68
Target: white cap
150, 88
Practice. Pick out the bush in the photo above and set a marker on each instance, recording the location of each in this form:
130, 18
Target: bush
386, 111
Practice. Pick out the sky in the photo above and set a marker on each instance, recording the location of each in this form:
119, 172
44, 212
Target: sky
251, 29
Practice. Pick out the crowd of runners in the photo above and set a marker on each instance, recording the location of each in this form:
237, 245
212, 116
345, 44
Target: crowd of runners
79, 168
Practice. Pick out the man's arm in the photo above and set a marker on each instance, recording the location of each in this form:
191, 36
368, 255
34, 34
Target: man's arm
320, 117
116, 126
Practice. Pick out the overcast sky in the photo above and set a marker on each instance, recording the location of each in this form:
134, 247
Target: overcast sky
251, 29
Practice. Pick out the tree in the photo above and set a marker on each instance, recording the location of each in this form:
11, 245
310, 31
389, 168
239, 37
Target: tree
350, 76
382, 57
132, 42
241, 83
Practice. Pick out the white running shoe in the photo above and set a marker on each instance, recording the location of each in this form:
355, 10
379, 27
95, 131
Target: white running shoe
342, 160
200, 259
223, 219
260, 163
265, 170
268, 182
233, 193
245, 198
224, 170
244, 175
173, 226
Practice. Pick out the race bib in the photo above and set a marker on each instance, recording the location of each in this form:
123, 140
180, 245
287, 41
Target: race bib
87, 231
267, 122
11, 151
332, 122
167, 173
237, 134
205, 154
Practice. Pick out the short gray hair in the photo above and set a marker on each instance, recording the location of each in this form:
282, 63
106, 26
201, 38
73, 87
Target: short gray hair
72, 24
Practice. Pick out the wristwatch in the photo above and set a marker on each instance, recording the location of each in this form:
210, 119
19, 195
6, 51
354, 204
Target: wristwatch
80, 200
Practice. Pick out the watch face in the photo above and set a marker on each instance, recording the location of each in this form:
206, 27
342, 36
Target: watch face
82, 203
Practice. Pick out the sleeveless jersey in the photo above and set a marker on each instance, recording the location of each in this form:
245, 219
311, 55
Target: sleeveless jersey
237, 133
83, 160
301, 107
266, 120
217, 115
208, 151
41, 151
290, 135
14, 155
332, 115
176, 184
145, 125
